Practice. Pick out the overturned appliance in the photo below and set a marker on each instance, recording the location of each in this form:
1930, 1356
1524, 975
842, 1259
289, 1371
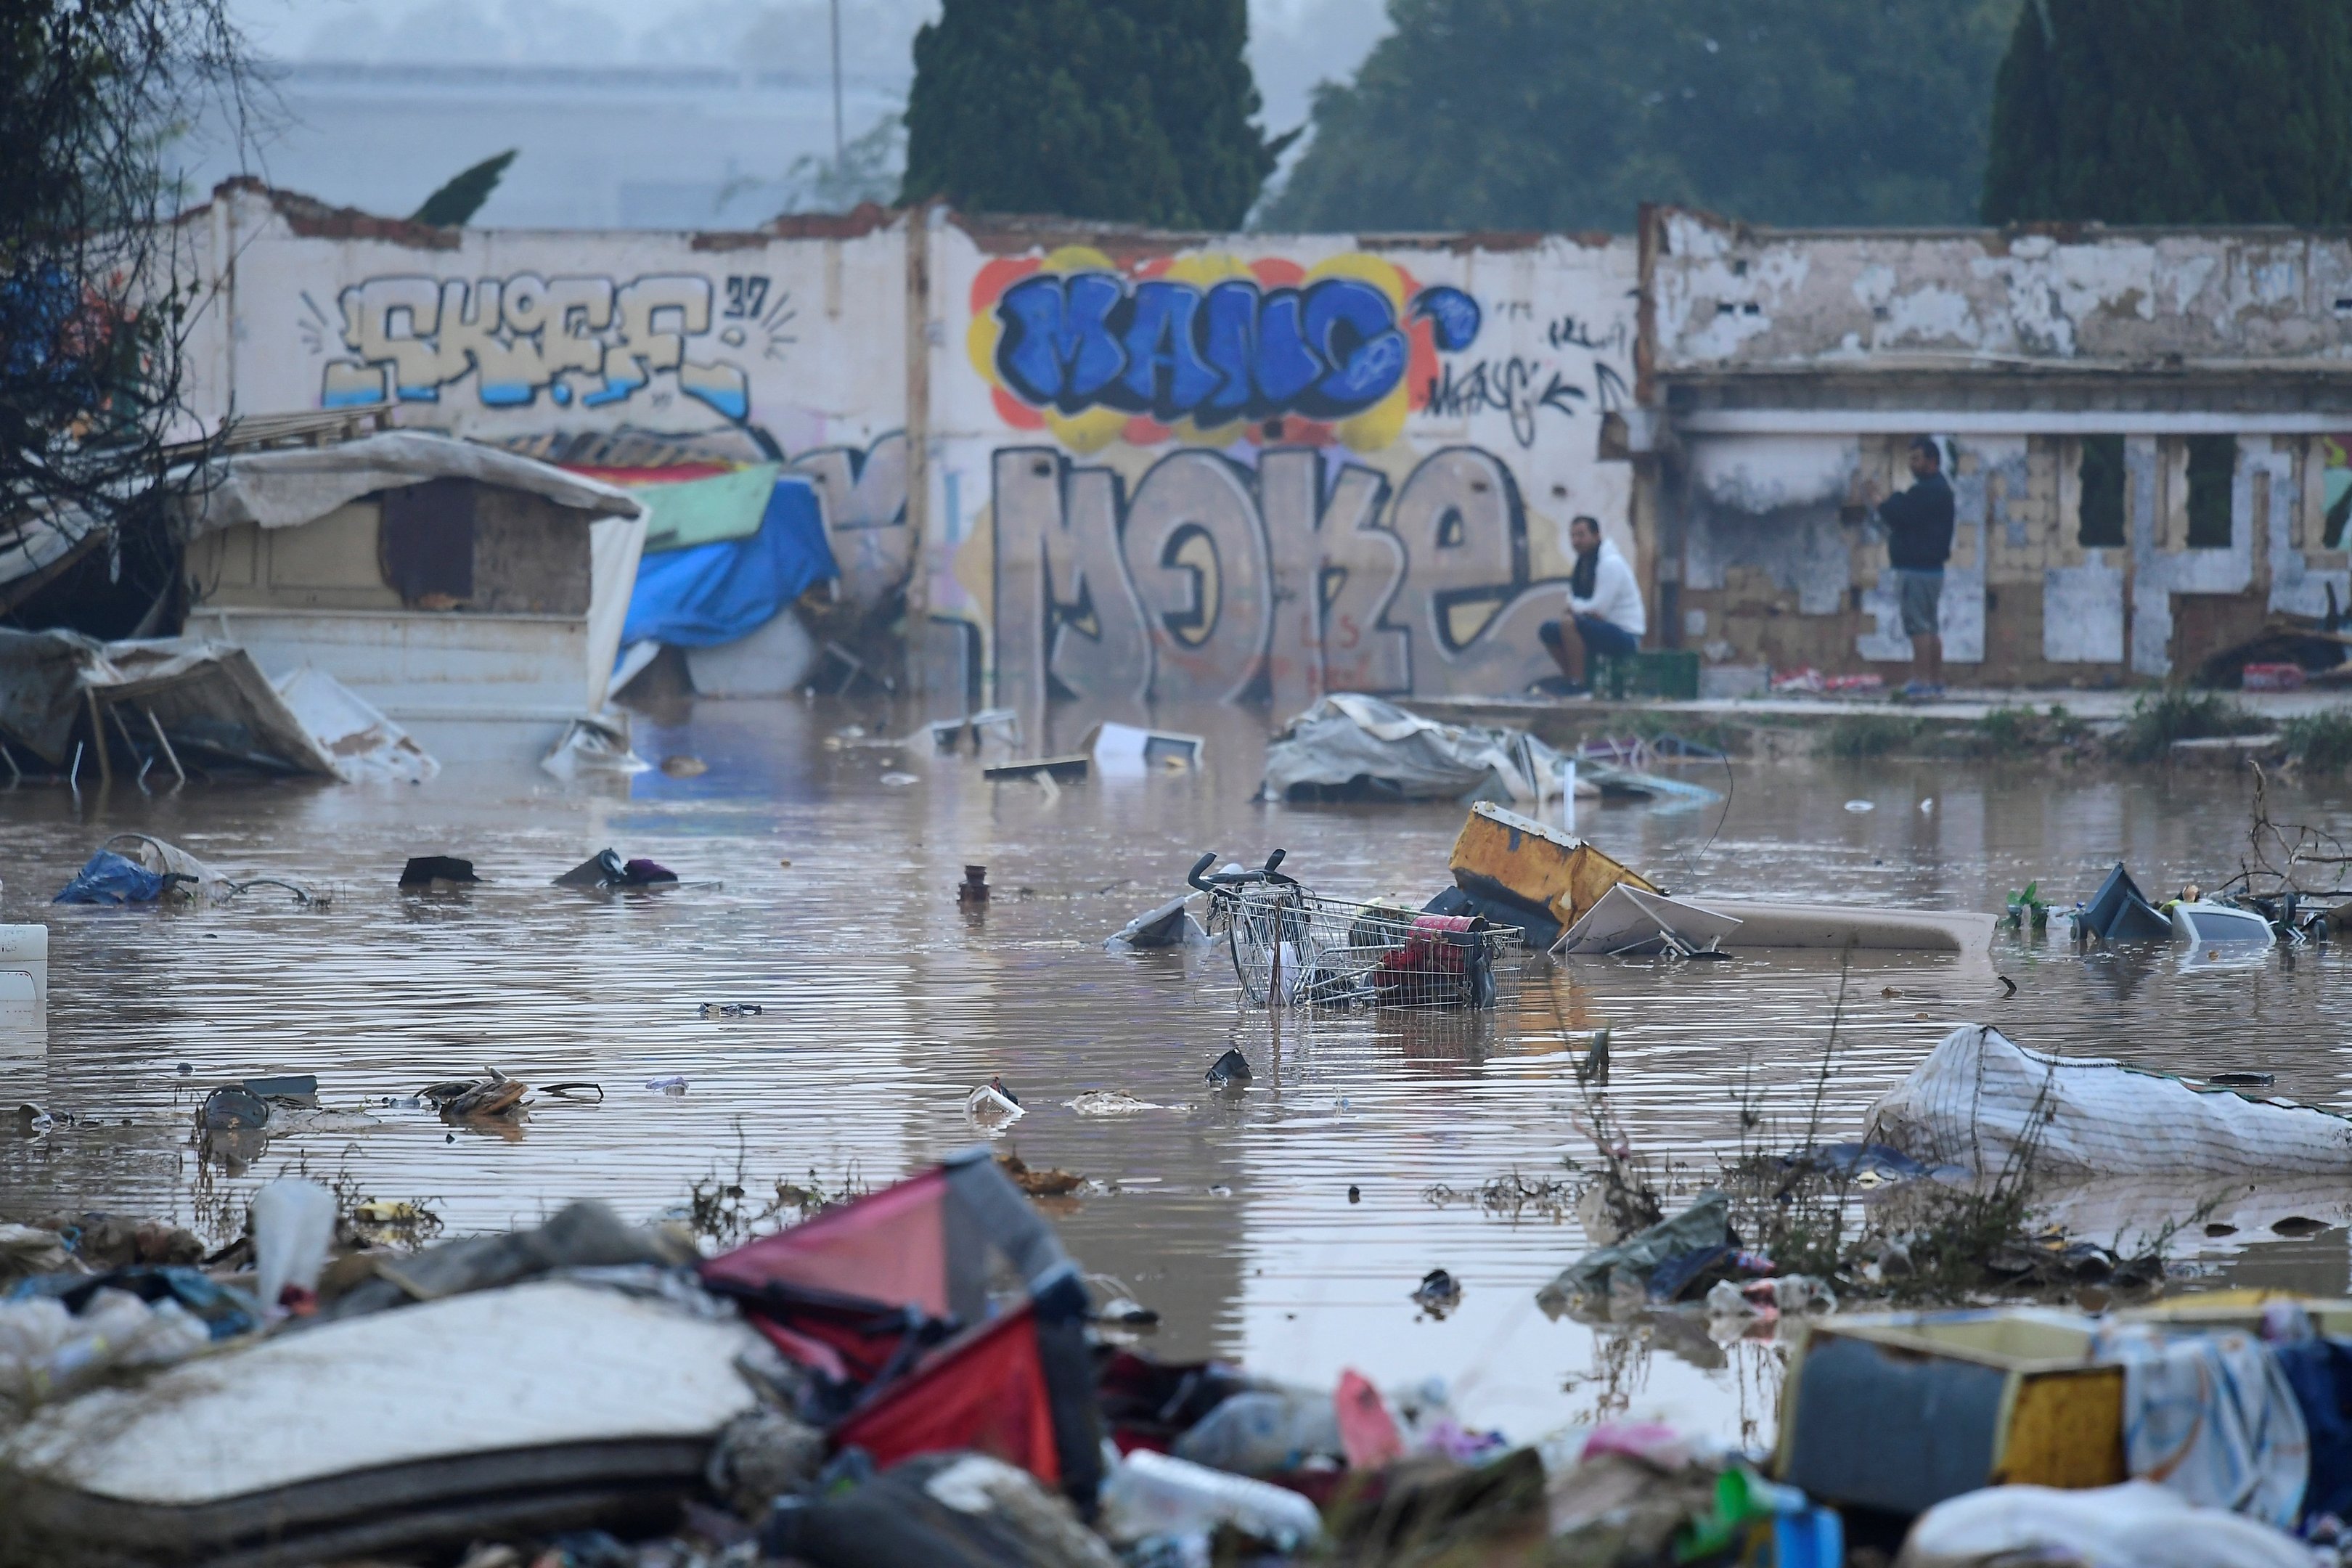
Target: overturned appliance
605, 871
1124, 750
1517, 871
2119, 911
1170, 925
1628, 923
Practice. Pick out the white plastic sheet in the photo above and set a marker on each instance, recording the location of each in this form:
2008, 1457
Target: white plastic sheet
2135, 1525
592, 748
615, 546
1350, 736
1982, 1101
287, 487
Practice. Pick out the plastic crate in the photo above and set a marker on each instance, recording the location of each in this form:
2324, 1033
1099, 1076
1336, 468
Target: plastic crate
2272, 677
1669, 674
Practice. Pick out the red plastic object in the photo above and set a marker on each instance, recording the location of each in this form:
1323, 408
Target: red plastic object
984, 1391
2274, 677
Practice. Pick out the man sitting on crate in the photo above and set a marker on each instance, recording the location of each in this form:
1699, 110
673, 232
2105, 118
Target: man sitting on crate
1604, 607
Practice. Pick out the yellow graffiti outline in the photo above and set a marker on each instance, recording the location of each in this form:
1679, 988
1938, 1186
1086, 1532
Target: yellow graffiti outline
1376, 426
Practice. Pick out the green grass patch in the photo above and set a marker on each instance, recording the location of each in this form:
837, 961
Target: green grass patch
2176, 714
2319, 741
1859, 735
2018, 732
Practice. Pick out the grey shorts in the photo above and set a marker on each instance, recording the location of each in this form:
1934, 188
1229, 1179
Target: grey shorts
1920, 593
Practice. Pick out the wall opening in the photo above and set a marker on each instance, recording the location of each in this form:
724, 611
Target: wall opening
2212, 465
2099, 520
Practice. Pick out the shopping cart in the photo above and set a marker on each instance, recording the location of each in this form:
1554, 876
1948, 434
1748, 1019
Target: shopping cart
1295, 948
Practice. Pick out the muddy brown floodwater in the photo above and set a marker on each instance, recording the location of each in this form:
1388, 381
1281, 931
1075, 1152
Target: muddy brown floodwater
885, 1005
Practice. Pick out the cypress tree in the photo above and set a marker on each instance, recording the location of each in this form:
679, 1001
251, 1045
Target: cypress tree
2174, 111
1570, 114
1134, 110
458, 201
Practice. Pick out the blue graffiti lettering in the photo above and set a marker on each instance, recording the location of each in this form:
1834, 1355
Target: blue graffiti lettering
1236, 351
1453, 317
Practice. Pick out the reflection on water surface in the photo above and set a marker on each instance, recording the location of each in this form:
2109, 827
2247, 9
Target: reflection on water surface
885, 1003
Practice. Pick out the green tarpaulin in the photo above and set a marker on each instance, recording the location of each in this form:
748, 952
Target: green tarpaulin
688, 513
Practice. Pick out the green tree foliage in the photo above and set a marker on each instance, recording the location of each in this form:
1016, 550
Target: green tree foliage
1137, 111
1569, 114
2174, 111
458, 201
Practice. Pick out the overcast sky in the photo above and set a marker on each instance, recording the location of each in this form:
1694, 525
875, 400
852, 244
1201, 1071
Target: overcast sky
1294, 43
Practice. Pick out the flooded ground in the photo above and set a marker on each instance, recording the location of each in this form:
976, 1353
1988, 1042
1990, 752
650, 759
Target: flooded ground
885, 1004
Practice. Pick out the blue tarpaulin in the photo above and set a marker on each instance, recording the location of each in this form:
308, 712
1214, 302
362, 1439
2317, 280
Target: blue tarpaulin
106, 877
714, 594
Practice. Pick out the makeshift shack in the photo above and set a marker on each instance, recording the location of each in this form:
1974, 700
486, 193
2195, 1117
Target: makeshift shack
177, 704
437, 579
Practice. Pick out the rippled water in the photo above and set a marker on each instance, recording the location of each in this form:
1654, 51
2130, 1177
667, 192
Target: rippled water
833, 907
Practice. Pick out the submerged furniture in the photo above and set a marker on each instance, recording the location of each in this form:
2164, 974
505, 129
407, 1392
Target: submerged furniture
2207, 924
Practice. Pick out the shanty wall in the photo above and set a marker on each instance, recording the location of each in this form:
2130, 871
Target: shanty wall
2211, 366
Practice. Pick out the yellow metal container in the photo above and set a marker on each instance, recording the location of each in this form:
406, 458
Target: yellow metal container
1900, 1412
1501, 853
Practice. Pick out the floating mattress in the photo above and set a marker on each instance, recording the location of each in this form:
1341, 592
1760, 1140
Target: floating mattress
543, 1407
1983, 1101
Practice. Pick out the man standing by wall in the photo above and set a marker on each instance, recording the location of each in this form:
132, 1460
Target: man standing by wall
1604, 607
1919, 523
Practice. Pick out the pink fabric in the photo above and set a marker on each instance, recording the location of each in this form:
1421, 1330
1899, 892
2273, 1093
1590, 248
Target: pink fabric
1367, 1431
1645, 1440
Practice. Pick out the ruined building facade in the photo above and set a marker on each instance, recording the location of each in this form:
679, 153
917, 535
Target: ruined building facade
2148, 433
1100, 465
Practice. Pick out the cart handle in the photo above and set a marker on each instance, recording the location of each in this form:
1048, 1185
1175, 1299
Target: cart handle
1228, 880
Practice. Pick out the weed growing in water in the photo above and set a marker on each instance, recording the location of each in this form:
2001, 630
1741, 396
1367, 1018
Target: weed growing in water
722, 1211
1511, 1194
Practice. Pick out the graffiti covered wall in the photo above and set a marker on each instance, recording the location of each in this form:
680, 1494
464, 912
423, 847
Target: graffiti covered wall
1262, 469
1126, 468
787, 345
